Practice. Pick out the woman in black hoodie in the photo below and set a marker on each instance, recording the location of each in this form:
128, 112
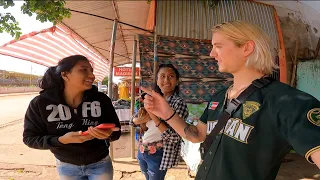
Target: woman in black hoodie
68, 106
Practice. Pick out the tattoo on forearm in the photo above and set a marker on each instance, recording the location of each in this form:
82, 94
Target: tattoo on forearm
191, 131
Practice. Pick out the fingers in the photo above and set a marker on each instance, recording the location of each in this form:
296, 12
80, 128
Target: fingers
86, 137
75, 137
148, 103
152, 115
96, 133
149, 113
115, 129
100, 133
149, 92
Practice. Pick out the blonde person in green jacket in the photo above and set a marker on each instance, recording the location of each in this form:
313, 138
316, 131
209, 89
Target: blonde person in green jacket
272, 120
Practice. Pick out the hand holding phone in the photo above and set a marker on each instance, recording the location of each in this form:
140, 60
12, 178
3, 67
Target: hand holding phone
101, 126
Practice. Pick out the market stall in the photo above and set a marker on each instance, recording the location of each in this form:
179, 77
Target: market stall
122, 105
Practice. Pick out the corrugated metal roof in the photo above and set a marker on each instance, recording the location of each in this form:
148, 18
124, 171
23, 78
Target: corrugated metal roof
194, 19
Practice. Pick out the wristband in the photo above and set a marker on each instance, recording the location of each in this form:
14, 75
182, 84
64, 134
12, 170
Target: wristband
174, 112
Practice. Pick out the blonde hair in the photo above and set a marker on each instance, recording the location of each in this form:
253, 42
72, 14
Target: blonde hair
240, 32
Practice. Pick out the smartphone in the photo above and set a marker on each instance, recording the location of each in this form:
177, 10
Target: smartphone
101, 126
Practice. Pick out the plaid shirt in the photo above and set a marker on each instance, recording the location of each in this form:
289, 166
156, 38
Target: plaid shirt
171, 139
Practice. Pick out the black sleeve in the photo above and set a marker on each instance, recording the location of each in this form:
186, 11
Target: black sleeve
35, 131
300, 123
112, 117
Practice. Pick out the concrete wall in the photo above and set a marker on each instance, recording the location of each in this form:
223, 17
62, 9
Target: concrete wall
308, 77
7, 90
300, 23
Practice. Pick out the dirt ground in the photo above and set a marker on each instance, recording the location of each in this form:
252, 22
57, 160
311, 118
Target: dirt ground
40, 165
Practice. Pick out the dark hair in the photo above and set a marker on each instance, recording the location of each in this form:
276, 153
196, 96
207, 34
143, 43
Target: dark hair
143, 95
157, 88
52, 77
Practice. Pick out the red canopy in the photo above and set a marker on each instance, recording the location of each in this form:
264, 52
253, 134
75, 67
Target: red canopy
48, 46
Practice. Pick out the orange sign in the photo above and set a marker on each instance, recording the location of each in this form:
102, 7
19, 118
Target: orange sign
125, 71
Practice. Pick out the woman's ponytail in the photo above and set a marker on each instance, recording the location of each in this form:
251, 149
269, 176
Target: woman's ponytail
51, 79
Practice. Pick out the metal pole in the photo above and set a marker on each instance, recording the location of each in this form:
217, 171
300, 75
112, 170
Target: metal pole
30, 77
155, 54
133, 95
113, 42
4, 76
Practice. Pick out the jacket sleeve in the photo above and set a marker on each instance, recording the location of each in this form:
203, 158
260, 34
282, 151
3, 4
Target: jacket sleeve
112, 117
299, 123
35, 133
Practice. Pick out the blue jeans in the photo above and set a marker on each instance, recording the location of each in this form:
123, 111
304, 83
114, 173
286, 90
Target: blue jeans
102, 170
150, 164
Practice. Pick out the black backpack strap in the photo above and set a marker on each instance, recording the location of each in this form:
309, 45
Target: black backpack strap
233, 107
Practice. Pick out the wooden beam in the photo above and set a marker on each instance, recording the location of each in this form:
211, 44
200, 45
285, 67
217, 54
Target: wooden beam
151, 21
282, 51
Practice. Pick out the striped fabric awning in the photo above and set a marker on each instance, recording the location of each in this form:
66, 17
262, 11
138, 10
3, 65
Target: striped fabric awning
48, 46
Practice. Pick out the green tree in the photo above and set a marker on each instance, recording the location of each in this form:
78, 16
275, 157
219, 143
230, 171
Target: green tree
105, 80
45, 10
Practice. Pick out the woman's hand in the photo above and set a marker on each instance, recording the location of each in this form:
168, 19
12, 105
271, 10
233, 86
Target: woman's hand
74, 137
156, 104
152, 116
101, 133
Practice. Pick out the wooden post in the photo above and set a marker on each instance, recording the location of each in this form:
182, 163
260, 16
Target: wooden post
293, 81
133, 95
282, 52
111, 60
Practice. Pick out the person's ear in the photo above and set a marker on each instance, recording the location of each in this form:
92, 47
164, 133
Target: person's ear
64, 76
248, 48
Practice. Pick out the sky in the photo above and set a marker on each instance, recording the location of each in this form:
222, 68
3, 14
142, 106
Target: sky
27, 25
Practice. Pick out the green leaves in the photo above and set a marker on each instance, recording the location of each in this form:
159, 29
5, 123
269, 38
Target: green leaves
48, 10
9, 24
6, 4
105, 80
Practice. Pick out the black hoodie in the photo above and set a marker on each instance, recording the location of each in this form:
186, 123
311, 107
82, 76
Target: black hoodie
48, 117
